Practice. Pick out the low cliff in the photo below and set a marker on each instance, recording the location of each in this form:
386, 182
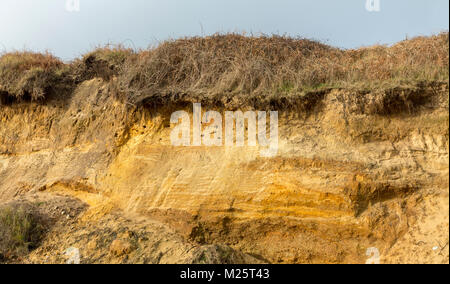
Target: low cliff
362, 162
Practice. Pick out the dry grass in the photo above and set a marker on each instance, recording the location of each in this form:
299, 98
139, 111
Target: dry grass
28, 74
20, 231
276, 66
234, 66
103, 62
227, 64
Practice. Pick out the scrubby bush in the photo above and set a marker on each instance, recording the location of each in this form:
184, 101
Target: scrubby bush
28, 74
20, 231
104, 62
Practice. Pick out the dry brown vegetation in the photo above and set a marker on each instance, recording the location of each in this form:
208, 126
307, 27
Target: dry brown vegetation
103, 62
29, 74
234, 65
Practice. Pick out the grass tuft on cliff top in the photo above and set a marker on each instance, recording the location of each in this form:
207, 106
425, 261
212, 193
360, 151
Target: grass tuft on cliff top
28, 74
234, 65
103, 62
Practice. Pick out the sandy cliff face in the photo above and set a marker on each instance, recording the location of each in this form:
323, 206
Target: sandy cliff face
353, 172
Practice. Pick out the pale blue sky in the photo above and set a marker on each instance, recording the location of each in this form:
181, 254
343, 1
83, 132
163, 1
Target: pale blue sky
45, 24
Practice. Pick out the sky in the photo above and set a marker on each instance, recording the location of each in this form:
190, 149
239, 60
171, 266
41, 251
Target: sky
69, 32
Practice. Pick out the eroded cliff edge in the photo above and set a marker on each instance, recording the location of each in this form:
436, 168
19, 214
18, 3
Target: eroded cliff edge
355, 169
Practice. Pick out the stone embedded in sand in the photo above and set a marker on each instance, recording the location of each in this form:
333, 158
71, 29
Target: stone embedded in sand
121, 247
92, 245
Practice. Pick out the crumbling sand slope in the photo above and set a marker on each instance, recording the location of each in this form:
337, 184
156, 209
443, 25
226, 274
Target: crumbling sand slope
358, 166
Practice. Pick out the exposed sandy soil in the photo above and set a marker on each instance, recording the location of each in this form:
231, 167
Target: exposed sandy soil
344, 180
